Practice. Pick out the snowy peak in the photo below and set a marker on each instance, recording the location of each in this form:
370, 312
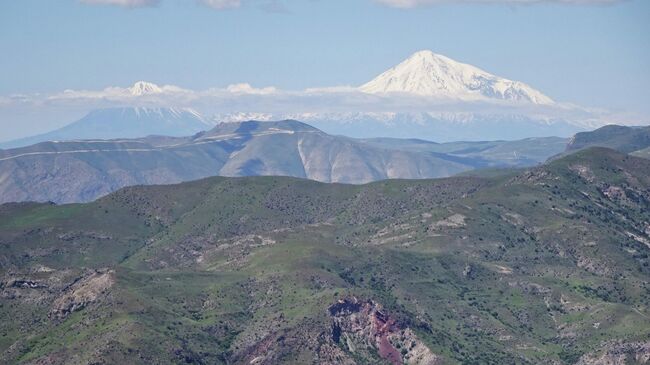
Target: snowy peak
145, 88
165, 114
428, 74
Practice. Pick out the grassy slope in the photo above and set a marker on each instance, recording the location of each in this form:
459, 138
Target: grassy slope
645, 153
620, 138
543, 268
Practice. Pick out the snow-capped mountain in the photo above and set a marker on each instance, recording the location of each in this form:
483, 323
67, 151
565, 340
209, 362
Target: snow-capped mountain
428, 74
145, 88
127, 122
427, 96
452, 101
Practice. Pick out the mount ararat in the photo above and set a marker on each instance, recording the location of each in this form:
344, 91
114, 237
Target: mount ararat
428, 74
427, 96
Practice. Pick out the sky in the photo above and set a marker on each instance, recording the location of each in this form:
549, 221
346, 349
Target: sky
594, 53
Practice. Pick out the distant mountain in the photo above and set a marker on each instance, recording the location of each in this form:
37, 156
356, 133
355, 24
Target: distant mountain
124, 123
434, 126
428, 74
620, 138
445, 100
440, 78
519, 153
80, 171
443, 127
547, 266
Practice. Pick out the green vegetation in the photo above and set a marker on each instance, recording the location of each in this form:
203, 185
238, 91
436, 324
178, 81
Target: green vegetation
542, 266
620, 138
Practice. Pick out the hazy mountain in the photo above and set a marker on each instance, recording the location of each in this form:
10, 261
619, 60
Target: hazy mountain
433, 126
124, 123
428, 74
548, 266
85, 170
443, 127
524, 152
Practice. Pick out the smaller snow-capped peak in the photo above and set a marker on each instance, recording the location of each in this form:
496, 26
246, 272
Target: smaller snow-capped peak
145, 88
169, 113
428, 74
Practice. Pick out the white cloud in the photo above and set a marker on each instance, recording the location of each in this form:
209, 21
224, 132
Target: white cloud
123, 3
246, 99
244, 88
140, 90
222, 4
407, 4
331, 89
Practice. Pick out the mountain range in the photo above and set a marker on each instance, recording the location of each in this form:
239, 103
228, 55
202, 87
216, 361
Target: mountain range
84, 170
543, 266
433, 97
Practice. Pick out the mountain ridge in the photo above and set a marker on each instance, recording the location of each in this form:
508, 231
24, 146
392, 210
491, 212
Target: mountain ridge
625, 139
77, 171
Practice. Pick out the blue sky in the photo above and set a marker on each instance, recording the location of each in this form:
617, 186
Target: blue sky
593, 55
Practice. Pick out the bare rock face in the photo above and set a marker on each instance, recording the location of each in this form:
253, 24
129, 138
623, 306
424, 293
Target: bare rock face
359, 332
83, 292
618, 353
453, 221
358, 325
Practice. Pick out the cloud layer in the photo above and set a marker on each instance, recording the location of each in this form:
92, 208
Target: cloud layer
244, 98
222, 4
22, 115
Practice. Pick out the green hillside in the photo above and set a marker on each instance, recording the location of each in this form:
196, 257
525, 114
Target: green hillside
546, 266
621, 138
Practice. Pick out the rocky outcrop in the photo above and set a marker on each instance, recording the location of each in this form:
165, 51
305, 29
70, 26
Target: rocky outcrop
26, 284
83, 292
356, 332
358, 325
618, 353
453, 221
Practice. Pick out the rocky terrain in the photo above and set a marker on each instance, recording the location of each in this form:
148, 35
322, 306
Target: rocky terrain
543, 266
